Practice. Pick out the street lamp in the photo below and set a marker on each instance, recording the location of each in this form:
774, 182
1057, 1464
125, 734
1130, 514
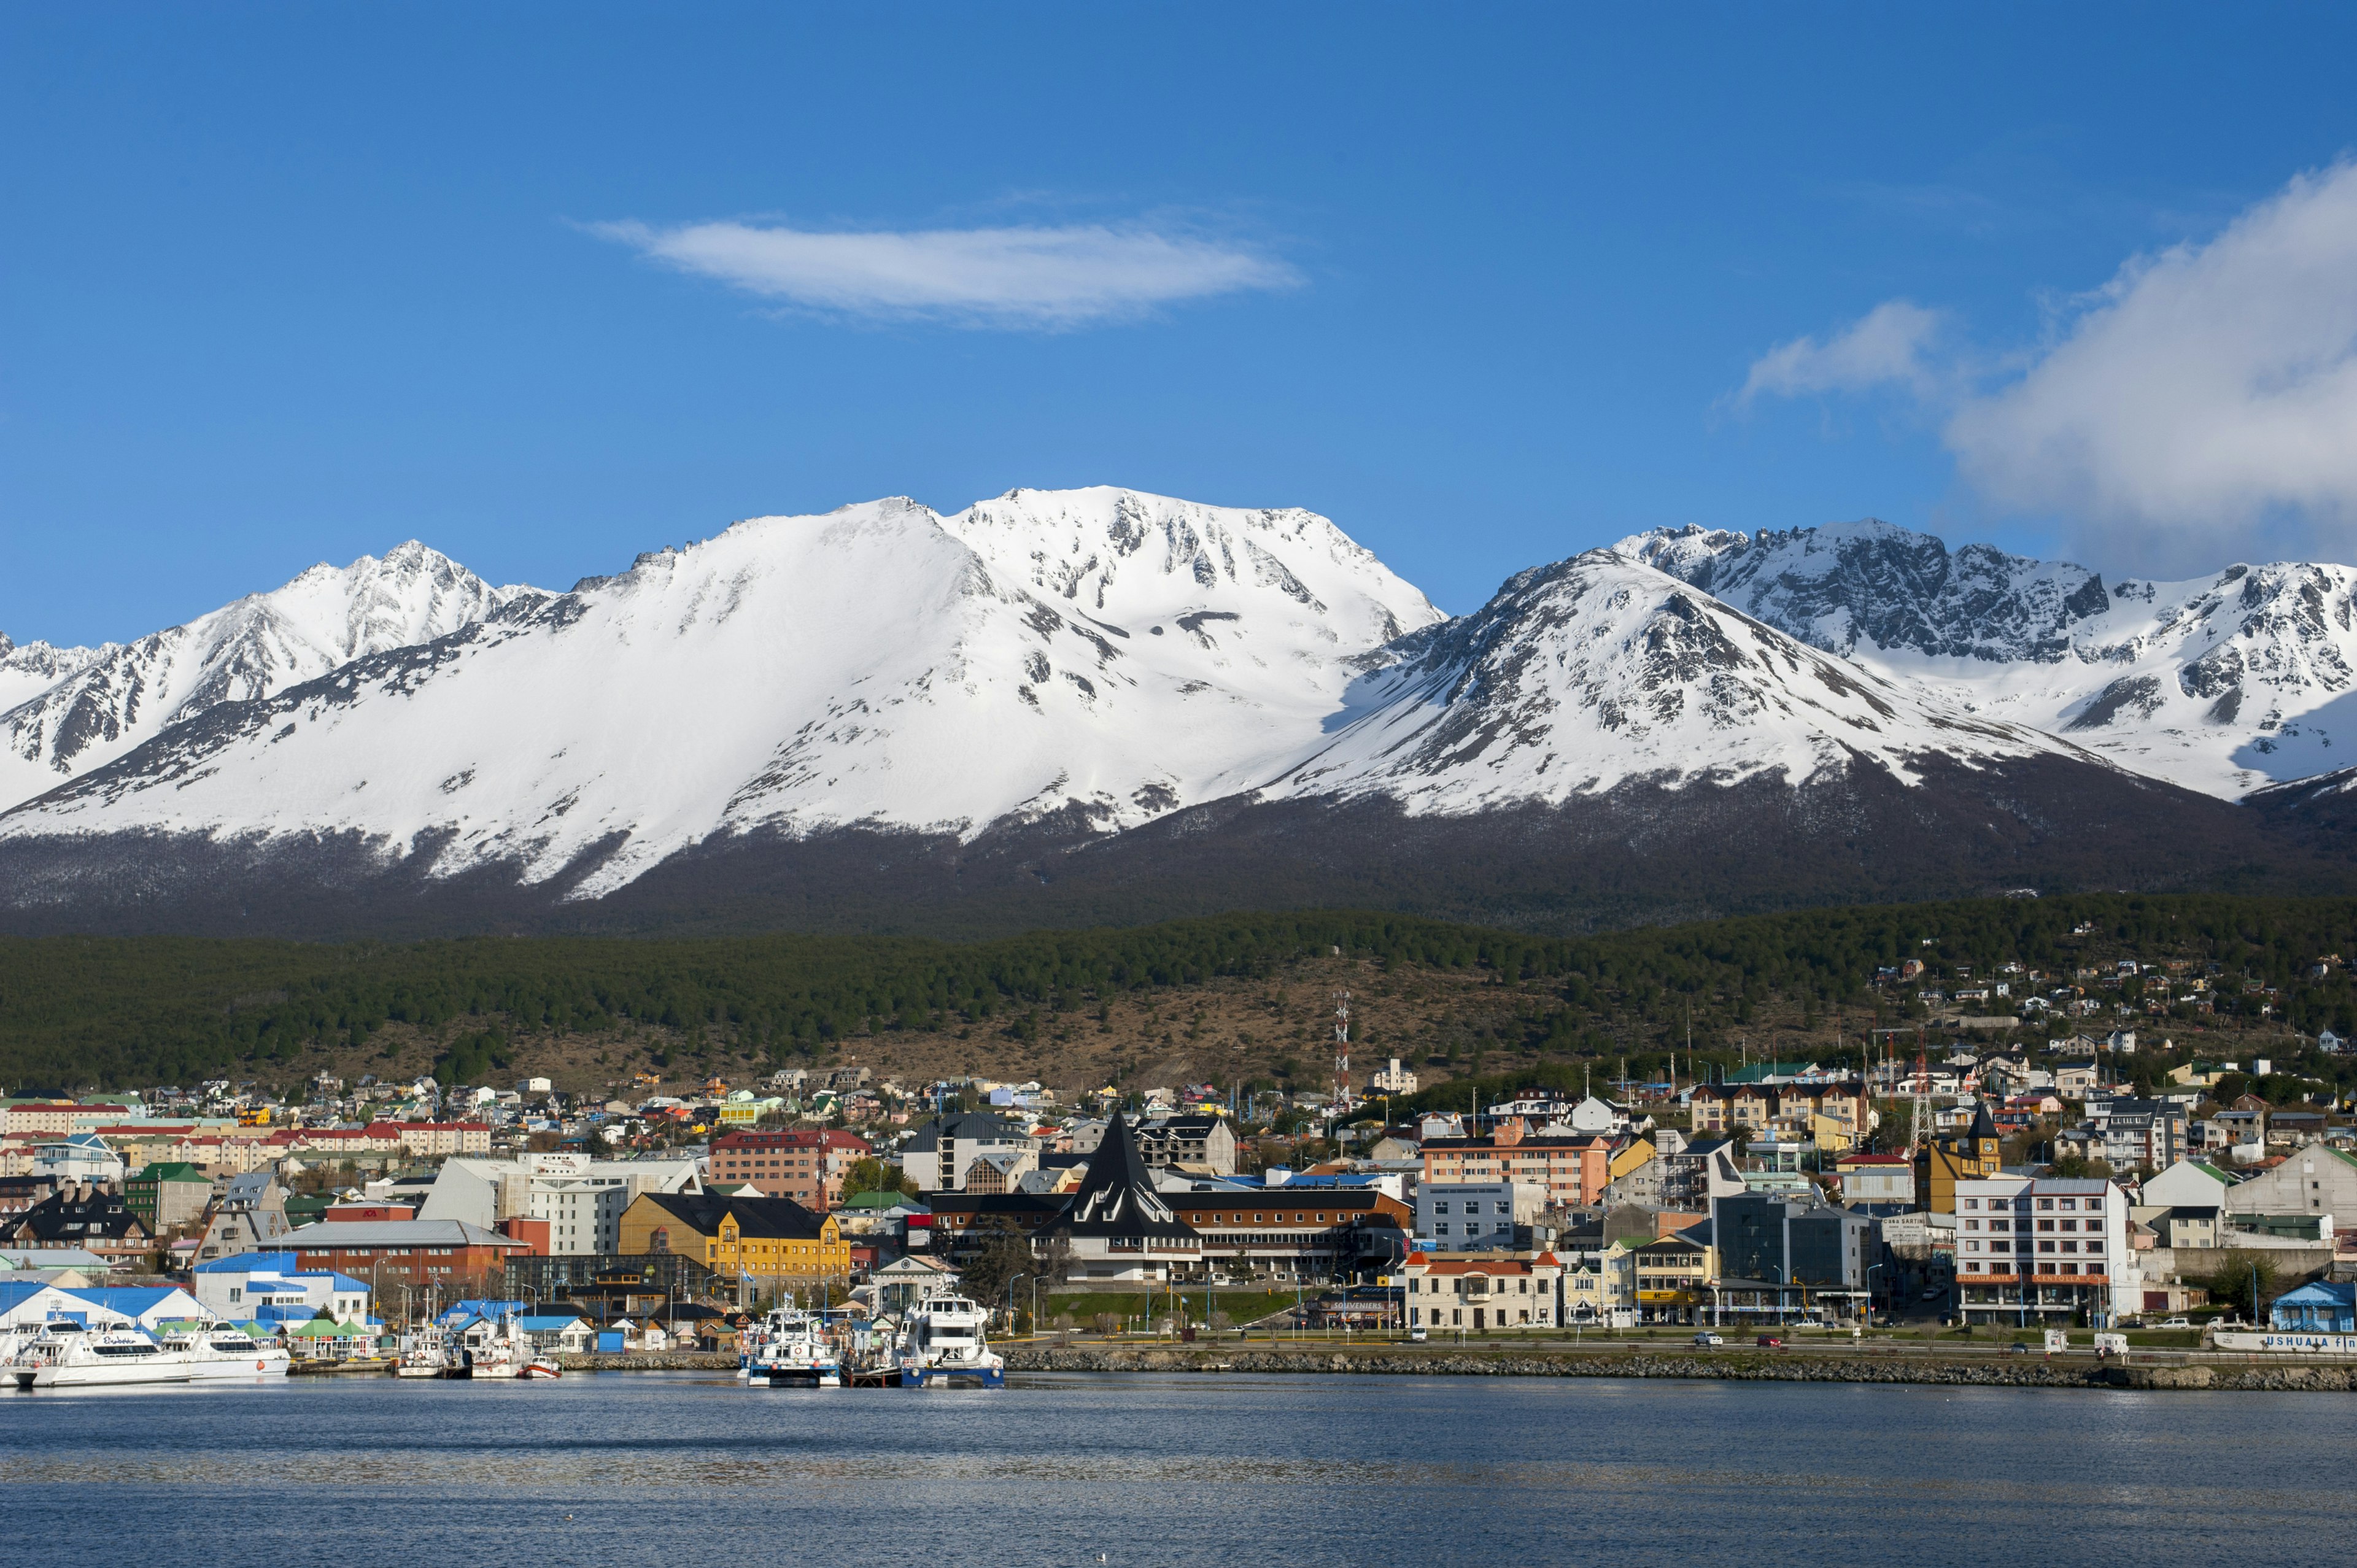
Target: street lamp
1009, 1294
1870, 1293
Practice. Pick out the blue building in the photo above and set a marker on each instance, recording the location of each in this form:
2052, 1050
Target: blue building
2322, 1307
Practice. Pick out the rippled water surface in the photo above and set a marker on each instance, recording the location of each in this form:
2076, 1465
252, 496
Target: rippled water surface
686, 1471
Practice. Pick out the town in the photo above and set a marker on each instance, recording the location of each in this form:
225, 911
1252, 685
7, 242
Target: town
2012, 1175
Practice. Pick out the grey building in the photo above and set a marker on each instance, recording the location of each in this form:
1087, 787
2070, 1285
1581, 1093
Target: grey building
1206, 1141
1476, 1217
939, 1153
1781, 1241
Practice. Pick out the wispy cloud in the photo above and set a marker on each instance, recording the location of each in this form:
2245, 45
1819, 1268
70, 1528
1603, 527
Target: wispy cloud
1890, 343
1011, 277
2205, 391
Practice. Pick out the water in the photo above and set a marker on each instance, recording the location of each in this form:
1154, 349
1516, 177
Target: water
687, 1471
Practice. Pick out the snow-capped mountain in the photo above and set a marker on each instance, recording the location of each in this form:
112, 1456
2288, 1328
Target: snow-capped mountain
97, 704
2220, 683
1098, 656
29, 668
1600, 671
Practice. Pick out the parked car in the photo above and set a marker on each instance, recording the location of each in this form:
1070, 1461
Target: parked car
2016, 1348
2174, 1323
1933, 1292
1708, 1339
1419, 1334
1771, 1341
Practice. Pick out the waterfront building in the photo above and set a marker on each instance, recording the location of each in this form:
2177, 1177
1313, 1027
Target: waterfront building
1481, 1293
771, 1241
1294, 1231
1118, 1226
271, 1288
1805, 1250
1466, 1217
2312, 1180
1667, 1279
445, 1253
2052, 1249
2320, 1306
249, 1215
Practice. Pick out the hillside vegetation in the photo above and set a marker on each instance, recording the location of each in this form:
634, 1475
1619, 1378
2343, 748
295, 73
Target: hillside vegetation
80, 1012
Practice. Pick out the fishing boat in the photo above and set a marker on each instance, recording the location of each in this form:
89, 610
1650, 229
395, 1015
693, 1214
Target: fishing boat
794, 1348
943, 1345
220, 1353
484, 1351
422, 1353
541, 1367
66, 1355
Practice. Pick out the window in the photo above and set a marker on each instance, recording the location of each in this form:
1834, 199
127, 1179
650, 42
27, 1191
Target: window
1971, 1203
2046, 1246
2069, 1203
1971, 1224
2000, 1224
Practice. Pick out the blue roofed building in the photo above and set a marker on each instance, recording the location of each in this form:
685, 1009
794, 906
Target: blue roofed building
267, 1288
2321, 1307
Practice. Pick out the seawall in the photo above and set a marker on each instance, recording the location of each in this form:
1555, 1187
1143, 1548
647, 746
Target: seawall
2074, 1372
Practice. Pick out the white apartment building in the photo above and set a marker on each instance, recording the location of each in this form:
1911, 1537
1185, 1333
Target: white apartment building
2034, 1250
582, 1198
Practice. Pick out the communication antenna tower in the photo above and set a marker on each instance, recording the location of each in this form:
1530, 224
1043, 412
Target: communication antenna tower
1342, 1050
1918, 1115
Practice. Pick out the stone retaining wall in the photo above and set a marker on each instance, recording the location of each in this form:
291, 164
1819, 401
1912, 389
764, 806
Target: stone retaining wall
649, 1362
2008, 1373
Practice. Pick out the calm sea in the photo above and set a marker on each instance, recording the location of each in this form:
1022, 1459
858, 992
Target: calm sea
683, 1471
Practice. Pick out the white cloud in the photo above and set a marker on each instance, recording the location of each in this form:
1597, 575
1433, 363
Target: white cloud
1890, 343
1016, 277
2201, 404
2201, 390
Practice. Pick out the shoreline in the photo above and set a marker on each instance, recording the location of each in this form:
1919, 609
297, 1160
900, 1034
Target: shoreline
1788, 1367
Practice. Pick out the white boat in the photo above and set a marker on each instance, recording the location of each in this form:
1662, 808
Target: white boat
945, 1344
422, 1353
793, 1347
68, 1356
221, 1353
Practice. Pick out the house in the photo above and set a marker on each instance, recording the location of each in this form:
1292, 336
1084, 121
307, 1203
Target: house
1666, 1279
1944, 1161
1002, 1171
2321, 1306
249, 1216
577, 1197
2183, 1204
1482, 1294
93, 1218
771, 1242
557, 1331
1877, 1178
81, 1156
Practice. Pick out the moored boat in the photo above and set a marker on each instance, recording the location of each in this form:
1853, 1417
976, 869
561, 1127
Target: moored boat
792, 1349
945, 1344
68, 1356
220, 1353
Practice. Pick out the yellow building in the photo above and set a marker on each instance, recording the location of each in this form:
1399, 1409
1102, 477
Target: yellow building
771, 1241
1969, 1155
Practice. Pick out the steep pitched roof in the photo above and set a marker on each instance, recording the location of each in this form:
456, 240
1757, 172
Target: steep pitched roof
1984, 1125
1116, 1198
760, 1219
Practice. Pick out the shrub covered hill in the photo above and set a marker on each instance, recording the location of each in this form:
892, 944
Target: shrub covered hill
1220, 999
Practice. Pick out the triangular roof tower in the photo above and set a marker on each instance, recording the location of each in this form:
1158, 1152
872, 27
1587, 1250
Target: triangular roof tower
1984, 1125
1118, 1197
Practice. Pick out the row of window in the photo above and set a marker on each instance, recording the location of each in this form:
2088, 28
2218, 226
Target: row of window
2092, 1205
1432, 1318
1472, 1206
1420, 1284
2093, 1225
1976, 1268
2023, 1245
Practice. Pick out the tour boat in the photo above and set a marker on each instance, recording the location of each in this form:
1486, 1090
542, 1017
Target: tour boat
68, 1356
222, 1352
943, 1345
792, 1349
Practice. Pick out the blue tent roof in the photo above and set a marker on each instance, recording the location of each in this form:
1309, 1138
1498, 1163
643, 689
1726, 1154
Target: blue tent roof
249, 1264
547, 1325
14, 1293
491, 1309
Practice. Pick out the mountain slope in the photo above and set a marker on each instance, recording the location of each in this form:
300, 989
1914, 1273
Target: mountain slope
1095, 657
1598, 671
101, 704
30, 668
2219, 683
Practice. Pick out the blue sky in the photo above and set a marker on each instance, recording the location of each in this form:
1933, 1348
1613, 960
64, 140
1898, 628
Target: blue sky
546, 286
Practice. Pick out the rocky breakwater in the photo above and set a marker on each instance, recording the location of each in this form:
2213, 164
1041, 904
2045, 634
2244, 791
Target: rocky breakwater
1868, 1367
